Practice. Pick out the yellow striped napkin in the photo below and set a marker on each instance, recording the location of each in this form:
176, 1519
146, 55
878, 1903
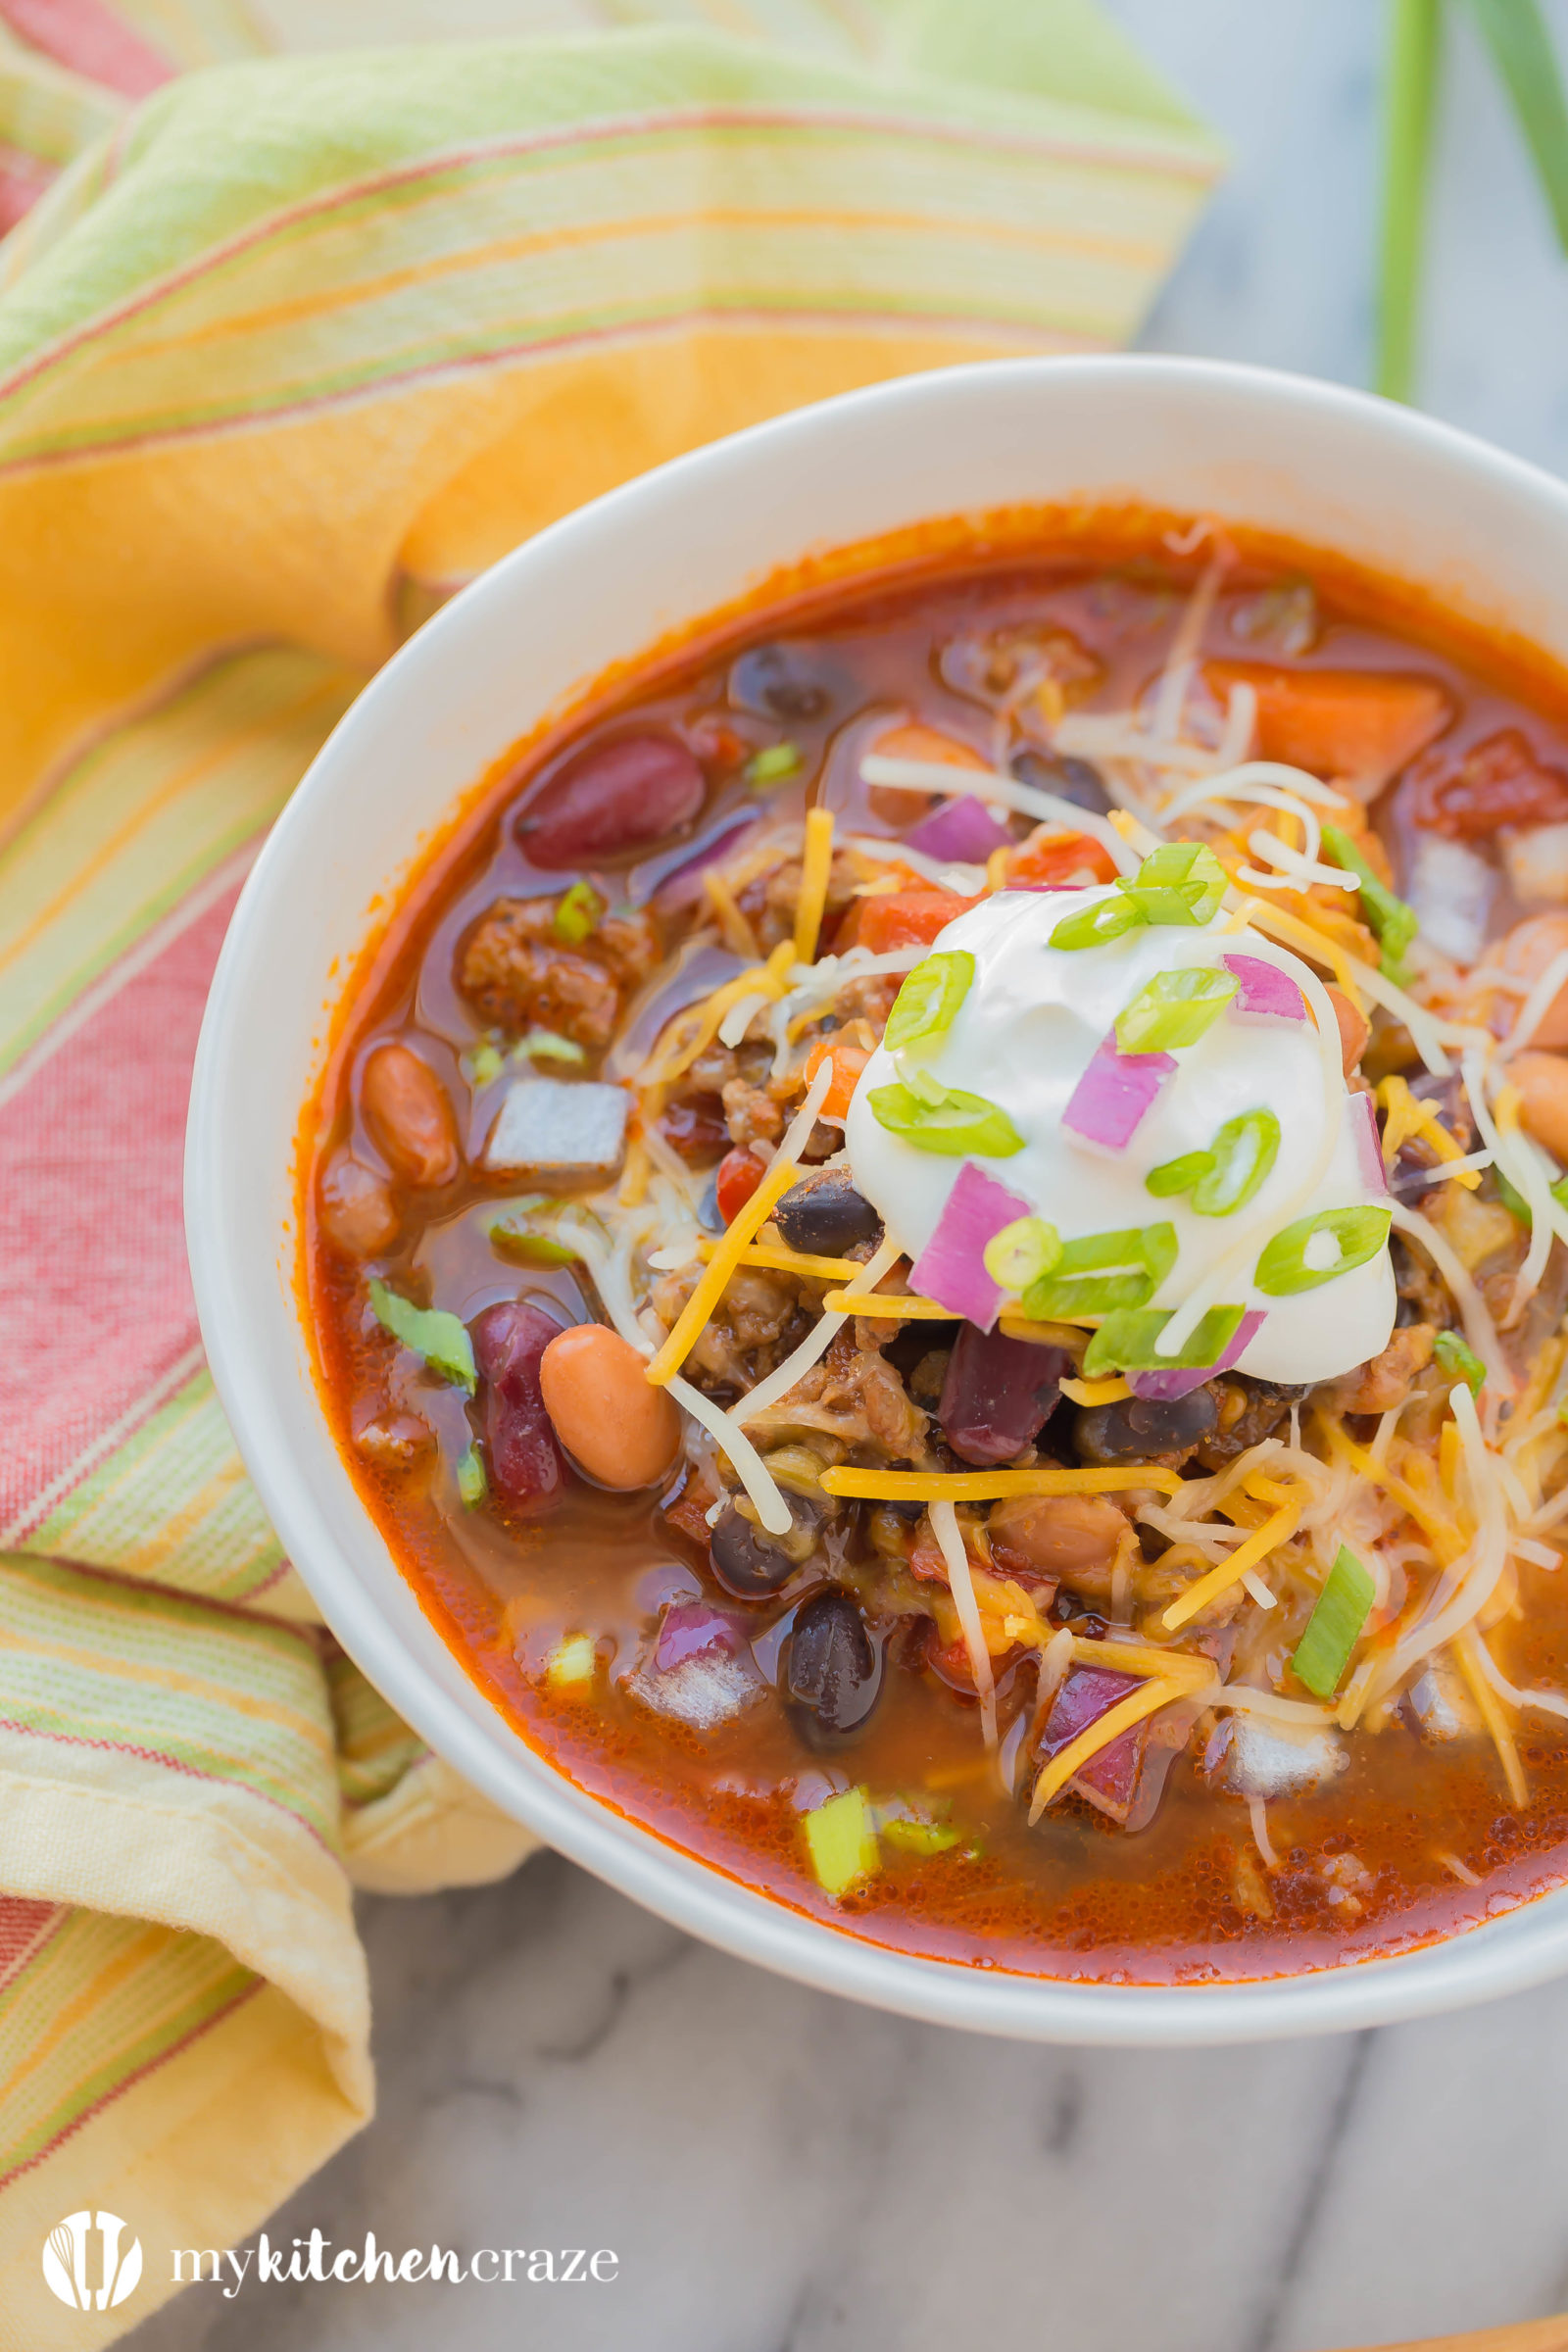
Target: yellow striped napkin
288, 350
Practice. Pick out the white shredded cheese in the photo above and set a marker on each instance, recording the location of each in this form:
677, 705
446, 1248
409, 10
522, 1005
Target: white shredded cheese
815, 1345
926, 775
944, 1527
771, 1508
1479, 1327
1535, 1006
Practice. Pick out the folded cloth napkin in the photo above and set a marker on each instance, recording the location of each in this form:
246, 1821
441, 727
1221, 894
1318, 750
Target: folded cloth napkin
287, 352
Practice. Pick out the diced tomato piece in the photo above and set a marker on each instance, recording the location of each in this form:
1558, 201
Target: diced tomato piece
1355, 726
848, 1060
908, 918
1498, 782
740, 1172
1061, 860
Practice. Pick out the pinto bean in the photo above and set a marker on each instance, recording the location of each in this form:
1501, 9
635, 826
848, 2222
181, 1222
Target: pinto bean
1069, 1537
607, 1414
407, 1110
1542, 1083
1527, 951
358, 1213
1355, 1029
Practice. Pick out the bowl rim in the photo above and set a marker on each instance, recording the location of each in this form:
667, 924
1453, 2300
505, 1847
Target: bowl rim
1478, 1962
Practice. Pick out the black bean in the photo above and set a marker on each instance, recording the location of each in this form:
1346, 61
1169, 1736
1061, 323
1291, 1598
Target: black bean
825, 1215
743, 1559
789, 682
1139, 1429
1069, 780
832, 1667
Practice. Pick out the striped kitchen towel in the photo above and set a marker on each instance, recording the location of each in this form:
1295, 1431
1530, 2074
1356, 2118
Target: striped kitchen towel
289, 348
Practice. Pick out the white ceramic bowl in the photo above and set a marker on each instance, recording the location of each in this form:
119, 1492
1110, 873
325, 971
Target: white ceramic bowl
1334, 467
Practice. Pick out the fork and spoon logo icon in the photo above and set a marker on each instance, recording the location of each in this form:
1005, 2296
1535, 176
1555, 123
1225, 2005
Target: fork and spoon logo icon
67, 2267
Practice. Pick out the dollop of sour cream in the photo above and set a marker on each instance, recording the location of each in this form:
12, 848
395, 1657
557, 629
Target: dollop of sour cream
1029, 1025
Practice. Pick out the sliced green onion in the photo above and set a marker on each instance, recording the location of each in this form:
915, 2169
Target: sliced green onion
571, 1663
1517, 1205
1290, 1261
1410, 84
920, 1837
1244, 1149
772, 765
579, 912
940, 1118
1181, 883
1100, 1273
1174, 1009
430, 1332
472, 1483
1515, 31
481, 1065
841, 1841
1459, 1361
1334, 1627
513, 1237
1127, 1341
1392, 922
1094, 926
547, 1044
1174, 1176
1022, 1253
929, 1000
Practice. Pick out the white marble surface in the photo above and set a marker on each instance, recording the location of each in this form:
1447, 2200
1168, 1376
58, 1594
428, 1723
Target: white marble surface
780, 2171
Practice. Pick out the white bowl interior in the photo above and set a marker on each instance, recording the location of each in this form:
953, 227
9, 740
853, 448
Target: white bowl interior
1375, 483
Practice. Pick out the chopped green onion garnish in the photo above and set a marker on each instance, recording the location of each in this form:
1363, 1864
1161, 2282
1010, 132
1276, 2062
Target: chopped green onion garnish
545, 1045
1093, 926
1174, 1176
1459, 1361
1181, 883
480, 1064
1022, 1253
931, 995
1127, 1341
1320, 1249
472, 1483
1174, 1009
571, 1663
579, 912
1244, 1149
1335, 1625
1392, 922
920, 1837
841, 1841
940, 1118
513, 1237
430, 1332
772, 765
1100, 1273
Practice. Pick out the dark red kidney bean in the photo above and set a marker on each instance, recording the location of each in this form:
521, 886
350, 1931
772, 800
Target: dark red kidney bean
743, 1559
1137, 1429
825, 1215
613, 797
527, 1465
832, 1667
696, 1128
999, 1394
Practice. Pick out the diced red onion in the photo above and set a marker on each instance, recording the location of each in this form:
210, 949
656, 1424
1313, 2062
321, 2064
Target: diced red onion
1116, 1093
689, 858
951, 1268
964, 832
1164, 1388
1263, 991
690, 1626
1369, 1144
1109, 1779
997, 1394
